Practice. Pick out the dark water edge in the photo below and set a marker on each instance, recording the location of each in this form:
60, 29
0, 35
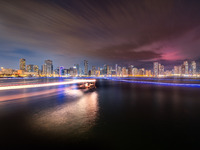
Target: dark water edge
127, 116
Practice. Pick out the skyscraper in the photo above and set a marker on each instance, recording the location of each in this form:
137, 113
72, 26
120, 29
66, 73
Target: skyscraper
29, 68
161, 69
77, 68
22, 65
185, 63
47, 68
193, 67
93, 71
61, 71
35, 68
155, 69
116, 69
130, 70
85, 67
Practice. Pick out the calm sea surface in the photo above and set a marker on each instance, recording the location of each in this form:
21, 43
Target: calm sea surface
116, 115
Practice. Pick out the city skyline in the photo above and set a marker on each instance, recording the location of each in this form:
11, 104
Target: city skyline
185, 69
122, 32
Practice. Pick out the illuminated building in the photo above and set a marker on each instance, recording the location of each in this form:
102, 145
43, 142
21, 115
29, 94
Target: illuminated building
185, 64
179, 70
116, 69
161, 69
124, 72
183, 69
193, 67
85, 67
135, 71
47, 68
119, 71
141, 72
29, 68
130, 70
75, 71
78, 69
22, 65
156, 69
61, 71
35, 68
8, 71
176, 70
106, 70
97, 73
93, 71
148, 73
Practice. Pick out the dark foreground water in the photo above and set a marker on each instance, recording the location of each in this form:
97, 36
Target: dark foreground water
117, 115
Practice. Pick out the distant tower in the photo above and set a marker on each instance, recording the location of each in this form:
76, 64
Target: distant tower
85, 67
35, 68
93, 71
193, 67
116, 67
77, 68
29, 68
22, 64
61, 70
161, 69
155, 69
186, 67
47, 68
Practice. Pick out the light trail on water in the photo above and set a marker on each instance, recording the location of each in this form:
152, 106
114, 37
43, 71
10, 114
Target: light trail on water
12, 87
158, 83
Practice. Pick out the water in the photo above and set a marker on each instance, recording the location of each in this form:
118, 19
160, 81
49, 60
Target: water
116, 115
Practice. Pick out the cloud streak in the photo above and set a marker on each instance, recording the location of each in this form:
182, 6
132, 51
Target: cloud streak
111, 31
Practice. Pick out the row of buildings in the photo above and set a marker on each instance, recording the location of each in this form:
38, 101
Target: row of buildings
185, 69
48, 70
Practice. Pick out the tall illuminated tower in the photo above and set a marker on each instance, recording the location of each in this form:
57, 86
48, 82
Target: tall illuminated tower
22, 64
155, 69
47, 68
85, 67
186, 67
29, 68
193, 67
35, 68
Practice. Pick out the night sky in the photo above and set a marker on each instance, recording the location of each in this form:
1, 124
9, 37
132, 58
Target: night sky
100, 31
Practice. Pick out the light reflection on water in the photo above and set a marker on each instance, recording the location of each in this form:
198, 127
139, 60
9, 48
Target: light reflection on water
75, 117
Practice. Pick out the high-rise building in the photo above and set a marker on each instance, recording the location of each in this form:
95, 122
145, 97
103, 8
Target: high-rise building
130, 70
47, 68
116, 69
77, 68
124, 71
161, 69
61, 71
193, 67
75, 71
85, 67
22, 64
29, 68
176, 70
97, 72
185, 63
183, 69
35, 68
156, 69
135, 71
93, 71
180, 70
108, 70
141, 72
